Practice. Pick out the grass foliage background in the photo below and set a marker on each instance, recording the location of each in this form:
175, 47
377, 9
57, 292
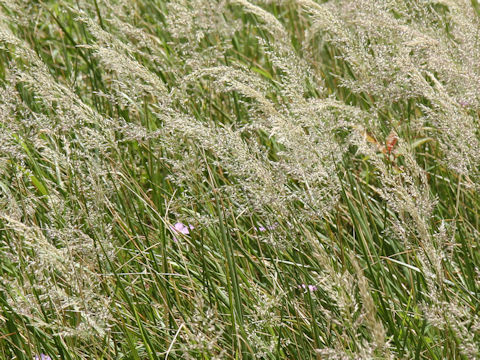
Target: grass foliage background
323, 156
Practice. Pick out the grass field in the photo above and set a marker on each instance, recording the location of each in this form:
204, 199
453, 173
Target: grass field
241, 179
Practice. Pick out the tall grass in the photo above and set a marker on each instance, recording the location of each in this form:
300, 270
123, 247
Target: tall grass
242, 179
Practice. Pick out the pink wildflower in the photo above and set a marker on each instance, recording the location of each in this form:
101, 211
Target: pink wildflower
310, 288
42, 357
181, 229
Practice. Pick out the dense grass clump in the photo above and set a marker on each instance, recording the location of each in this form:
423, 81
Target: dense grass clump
239, 179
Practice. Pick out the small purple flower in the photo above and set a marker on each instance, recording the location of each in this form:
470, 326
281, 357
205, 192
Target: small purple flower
42, 357
310, 288
262, 228
181, 229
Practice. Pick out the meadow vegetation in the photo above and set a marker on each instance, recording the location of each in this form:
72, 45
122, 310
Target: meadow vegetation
239, 179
